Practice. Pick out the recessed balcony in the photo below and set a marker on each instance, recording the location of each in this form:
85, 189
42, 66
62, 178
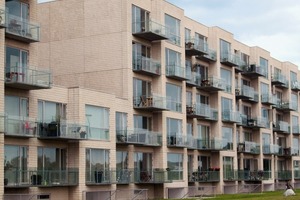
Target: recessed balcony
288, 151
286, 106
2, 18
230, 175
156, 176
229, 59
249, 147
231, 116
280, 80
211, 56
271, 149
246, 93
201, 111
124, 176
210, 145
27, 79
177, 140
213, 84
19, 126
194, 79
241, 67
204, 176
254, 122
100, 177
283, 175
281, 126
176, 72
149, 30
146, 66
195, 47
295, 86
254, 71
152, 102
269, 99
63, 130
22, 29
139, 137
252, 175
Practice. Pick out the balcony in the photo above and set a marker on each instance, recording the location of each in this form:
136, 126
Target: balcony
22, 29
249, 175
41, 178
231, 116
281, 126
139, 137
286, 106
204, 176
174, 105
2, 122
124, 176
271, 149
176, 72
296, 174
2, 18
269, 99
230, 175
176, 140
254, 123
213, 84
191, 142
288, 151
156, 176
283, 175
246, 93
280, 80
149, 30
296, 129
241, 67
147, 66
100, 177
211, 56
152, 102
254, 71
195, 47
295, 86
27, 79
210, 145
45, 196
249, 147
18, 126
229, 59
194, 79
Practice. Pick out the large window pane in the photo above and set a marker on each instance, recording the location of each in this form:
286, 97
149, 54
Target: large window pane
175, 166
174, 94
173, 25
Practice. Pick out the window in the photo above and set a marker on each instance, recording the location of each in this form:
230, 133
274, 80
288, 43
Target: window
203, 163
97, 120
202, 71
141, 55
189, 129
267, 167
228, 167
225, 49
140, 19
16, 106
295, 122
18, 9
247, 111
122, 160
264, 67
295, 149
97, 165
244, 60
15, 164
190, 165
16, 63
227, 138
173, 25
266, 139
187, 34
248, 136
173, 63
142, 122
202, 99
203, 134
51, 111
175, 165
294, 101
189, 99
201, 42
265, 113
121, 122
226, 104
143, 161
226, 76
174, 94
174, 127
51, 158
188, 71
294, 80
141, 90
264, 88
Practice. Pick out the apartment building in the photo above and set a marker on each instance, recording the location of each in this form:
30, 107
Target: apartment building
131, 99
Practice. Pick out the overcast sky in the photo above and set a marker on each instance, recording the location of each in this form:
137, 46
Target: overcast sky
270, 24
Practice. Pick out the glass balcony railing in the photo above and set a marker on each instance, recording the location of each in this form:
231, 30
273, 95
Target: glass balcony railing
150, 30
296, 129
211, 56
269, 99
176, 140
152, 176
191, 142
254, 122
22, 29
231, 116
284, 175
100, 177
174, 105
296, 173
150, 102
195, 47
271, 149
254, 71
212, 84
287, 106
124, 176
2, 122
20, 126
41, 178
212, 144
230, 175
174, 38
176, 72
249, 175
63, 129
146, 65
194, 78
175, 174
204, 176
295, 85
230, 59
139, 137
25, 78
288, 151
280, 80
2, 18
246, 93
249, 147
281, 126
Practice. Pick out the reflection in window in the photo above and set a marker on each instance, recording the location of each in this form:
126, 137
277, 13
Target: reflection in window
51, 111
174, 29
175, 166
16, 106
16, 63
140, 19
51, 158
174, 97
142, 122
264, 67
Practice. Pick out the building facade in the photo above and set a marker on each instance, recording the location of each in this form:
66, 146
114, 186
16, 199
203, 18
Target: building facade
117, 99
